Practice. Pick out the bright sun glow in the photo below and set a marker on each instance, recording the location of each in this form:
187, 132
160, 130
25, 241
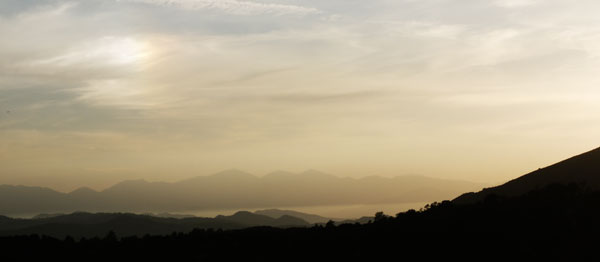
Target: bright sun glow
119, 54
106, 51
122, 50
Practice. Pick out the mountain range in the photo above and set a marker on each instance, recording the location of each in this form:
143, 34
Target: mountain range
535, 202
232, 189
85, 224
548, 214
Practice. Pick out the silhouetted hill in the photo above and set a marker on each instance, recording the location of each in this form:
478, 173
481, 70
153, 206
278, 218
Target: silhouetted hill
290, 221
42, 216
250, 219
232, 189
169, 215
583, 170
82, 224
361, 220
32, 200
310, 218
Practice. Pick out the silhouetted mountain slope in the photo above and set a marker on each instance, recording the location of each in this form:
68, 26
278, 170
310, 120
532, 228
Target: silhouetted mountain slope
81, 224
232, 189
583, 169
290, 221
23, 199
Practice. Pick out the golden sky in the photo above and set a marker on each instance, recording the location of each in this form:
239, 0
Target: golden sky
99, 91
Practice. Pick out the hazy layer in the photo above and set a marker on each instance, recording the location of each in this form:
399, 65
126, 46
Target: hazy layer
233, 190
338, 211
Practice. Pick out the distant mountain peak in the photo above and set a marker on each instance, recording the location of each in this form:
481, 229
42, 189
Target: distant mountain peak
83, 190
242, 213
279, 213
127, 184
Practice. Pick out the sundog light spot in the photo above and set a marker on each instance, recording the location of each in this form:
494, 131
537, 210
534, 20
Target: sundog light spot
123, 50
105, 51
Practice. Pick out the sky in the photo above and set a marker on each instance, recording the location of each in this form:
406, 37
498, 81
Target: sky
99, 91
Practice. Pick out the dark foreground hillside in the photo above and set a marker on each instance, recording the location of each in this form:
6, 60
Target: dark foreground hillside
558, 222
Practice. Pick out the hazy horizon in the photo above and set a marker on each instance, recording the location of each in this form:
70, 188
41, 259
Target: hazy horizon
96, 92
71, 187
337, 212
233, 190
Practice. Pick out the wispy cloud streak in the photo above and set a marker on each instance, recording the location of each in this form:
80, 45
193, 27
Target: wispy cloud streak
234, 6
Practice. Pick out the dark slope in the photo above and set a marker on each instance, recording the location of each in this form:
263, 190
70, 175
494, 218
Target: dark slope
583, 170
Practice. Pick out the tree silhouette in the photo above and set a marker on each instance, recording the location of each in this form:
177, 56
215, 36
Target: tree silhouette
330, 224
380, 216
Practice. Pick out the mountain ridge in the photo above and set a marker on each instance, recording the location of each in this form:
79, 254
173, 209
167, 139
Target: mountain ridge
231, 189
582, 169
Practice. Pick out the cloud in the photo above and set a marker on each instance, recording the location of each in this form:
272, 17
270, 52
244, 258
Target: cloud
218, 74
233, 6
322, 98
515, 3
